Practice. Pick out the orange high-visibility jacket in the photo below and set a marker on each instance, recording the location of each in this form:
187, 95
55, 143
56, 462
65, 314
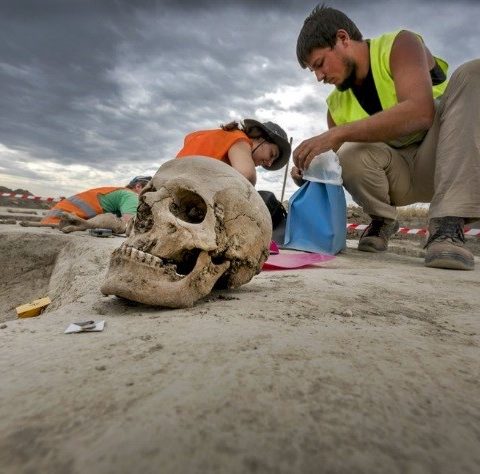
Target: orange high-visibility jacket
85, 205
211, 143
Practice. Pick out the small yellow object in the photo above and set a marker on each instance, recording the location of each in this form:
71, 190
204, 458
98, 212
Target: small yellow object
32, 309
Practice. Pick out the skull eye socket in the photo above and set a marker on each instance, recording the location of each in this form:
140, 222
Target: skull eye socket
188, 206
144, 218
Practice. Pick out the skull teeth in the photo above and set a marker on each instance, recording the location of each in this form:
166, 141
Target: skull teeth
138, 255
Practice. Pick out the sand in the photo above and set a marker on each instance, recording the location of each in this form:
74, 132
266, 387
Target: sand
366, 364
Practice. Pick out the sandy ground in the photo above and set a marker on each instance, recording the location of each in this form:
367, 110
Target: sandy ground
366, 364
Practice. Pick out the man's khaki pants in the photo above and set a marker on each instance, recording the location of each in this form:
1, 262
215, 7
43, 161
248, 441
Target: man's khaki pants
443, 170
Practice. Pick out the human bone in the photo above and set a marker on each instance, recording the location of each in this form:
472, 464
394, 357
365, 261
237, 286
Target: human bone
200, 224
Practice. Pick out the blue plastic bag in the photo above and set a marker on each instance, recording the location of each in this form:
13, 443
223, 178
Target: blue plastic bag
317, 219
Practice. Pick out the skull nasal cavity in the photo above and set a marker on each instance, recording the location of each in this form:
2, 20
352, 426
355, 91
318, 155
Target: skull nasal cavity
188, 206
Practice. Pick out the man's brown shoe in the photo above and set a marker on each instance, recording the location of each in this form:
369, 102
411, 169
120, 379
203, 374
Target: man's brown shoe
446, 245
375, 237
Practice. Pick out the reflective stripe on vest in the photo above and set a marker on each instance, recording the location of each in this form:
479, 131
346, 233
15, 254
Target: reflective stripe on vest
87, 210
344, 106
55, 213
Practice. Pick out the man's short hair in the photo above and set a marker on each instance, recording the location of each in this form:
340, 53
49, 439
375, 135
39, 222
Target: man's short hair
139, 179
320, 31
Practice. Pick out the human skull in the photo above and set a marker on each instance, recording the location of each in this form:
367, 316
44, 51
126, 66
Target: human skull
200, 224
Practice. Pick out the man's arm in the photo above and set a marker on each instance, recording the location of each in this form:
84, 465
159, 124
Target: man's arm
409, 63
330, 121
72, 223
126, 217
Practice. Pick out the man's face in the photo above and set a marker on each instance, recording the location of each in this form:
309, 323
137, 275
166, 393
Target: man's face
139, 186
350, 75
333, 66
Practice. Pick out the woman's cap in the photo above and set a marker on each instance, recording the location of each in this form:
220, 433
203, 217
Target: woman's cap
275, 134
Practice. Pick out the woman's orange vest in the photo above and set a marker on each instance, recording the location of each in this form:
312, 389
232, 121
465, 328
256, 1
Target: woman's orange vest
85, 205
211, 143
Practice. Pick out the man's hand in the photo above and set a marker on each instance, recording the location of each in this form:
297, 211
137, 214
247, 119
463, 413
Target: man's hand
309, 149
71, 223
297, 176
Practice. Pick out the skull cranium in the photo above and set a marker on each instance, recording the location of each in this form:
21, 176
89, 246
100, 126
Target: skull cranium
199, 225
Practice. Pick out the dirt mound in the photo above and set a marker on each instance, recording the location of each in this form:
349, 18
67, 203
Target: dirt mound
30, 265
64, 267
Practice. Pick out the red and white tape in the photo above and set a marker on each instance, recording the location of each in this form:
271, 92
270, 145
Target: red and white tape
30, 197
407, 230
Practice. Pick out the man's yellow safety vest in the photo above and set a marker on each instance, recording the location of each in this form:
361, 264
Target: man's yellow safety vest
345, 108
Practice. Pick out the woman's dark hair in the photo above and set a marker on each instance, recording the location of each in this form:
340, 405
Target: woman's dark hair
230, 126
251, 132
320, 31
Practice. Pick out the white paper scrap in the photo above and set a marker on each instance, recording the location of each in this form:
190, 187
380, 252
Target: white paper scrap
99, 325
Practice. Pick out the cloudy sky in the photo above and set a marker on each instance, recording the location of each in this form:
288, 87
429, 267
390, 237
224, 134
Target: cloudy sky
94, 92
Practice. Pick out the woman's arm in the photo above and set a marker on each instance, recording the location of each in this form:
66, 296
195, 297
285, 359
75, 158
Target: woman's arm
240, 157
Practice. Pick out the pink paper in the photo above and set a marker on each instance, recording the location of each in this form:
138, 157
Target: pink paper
295, 260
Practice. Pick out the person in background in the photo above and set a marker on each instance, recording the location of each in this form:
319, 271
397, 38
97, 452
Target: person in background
243, 146
402, 132
106, 208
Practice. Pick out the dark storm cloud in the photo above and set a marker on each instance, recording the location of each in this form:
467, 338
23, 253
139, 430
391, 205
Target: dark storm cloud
17, 167
63, 101
52, 58
102, 83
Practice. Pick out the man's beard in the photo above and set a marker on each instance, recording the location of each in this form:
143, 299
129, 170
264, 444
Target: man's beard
349, 81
